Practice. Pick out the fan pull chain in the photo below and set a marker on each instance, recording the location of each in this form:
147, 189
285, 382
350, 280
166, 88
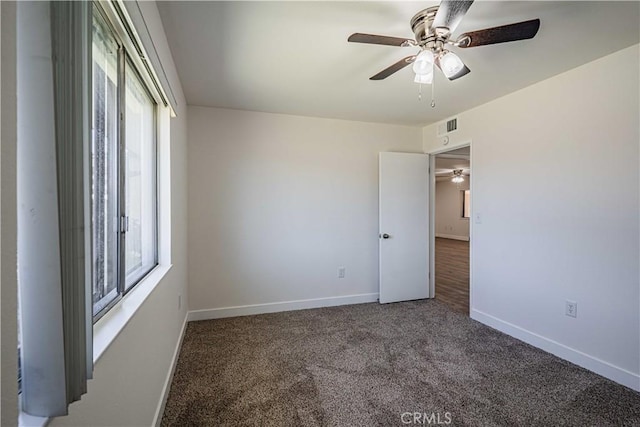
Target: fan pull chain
433, 91
433, 101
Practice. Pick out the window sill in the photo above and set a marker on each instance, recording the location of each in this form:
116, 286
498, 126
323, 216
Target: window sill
113, 322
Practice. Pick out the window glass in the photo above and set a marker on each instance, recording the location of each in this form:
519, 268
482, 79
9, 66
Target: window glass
104, 166
123, 168
140, 178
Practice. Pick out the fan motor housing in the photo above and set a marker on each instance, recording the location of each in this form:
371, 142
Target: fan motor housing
421, 25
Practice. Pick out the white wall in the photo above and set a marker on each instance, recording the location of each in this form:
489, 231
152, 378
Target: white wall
129, 377
448, 209
277, 203
568, 227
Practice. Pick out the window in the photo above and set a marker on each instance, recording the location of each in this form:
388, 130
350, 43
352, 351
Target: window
105, 211
139, 179
87, 189
466, 203
123, 170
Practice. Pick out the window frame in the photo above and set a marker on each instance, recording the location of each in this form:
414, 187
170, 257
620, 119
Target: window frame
123, 274
109, 303
466, 208
127, 53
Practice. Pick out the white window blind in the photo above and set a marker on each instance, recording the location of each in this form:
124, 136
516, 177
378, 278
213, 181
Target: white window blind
53, 243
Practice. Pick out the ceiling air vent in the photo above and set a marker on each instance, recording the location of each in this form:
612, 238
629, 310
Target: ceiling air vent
445, 128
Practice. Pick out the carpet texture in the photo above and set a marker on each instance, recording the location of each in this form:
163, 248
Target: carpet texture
411, 363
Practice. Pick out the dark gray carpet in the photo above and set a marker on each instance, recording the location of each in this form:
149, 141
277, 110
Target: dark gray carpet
365, 365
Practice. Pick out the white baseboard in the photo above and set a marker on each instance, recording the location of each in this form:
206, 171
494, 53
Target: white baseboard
606, 369
157, 418
274, 307
453, 236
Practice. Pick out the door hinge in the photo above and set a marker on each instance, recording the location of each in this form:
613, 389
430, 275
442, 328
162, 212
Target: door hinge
124, 224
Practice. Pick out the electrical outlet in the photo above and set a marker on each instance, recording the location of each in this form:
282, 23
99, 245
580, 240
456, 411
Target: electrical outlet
341, 272
571, 308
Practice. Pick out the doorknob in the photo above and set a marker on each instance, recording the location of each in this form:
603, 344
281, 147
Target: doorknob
385, 236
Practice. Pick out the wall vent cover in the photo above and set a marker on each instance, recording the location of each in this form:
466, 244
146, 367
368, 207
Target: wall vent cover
447, 127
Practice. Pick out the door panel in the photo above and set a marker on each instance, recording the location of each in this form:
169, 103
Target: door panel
404, 226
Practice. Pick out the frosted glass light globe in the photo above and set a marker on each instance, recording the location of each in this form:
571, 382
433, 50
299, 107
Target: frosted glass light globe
423, 63
451, 64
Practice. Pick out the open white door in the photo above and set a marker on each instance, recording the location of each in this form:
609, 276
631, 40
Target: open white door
404, 227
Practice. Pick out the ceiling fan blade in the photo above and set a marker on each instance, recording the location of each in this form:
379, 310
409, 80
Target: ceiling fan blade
463, 72
450, 13
505, 33
394, 68
383, 40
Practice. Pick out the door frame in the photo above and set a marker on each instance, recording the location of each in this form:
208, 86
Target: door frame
432, 217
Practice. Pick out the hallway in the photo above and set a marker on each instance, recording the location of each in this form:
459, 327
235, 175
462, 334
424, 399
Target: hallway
452, 273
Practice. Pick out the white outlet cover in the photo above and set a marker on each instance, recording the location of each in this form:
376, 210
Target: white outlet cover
571, 308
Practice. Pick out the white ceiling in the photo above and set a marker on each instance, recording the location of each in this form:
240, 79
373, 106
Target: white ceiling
294, 58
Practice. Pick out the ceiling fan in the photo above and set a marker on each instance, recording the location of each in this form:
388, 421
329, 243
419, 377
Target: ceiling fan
433, 28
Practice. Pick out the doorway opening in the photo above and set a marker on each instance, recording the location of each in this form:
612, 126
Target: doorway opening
451, 228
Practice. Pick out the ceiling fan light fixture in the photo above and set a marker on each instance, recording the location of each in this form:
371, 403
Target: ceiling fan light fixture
424, 63
457, 176
424, 79
433, 28
451, 64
